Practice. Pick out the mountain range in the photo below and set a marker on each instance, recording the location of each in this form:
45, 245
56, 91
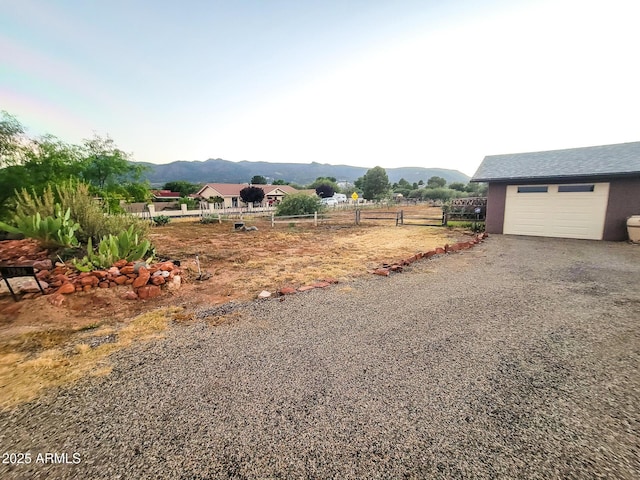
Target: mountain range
224, 171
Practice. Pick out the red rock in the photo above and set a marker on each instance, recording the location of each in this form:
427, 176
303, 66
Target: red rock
120, 280
130, 295
103, 284
99, 274
166, 266
90, 281
331, 280
129, 281
430, 253
43, 264
113, 271
396, 268
384, 272
286, 291
320, 285
86, 288
440, 251
112, 284
43, 275
67, 288
306, 288
143, 278
126, 269
149, 291
78, 288
120, 264
157, 280
56, 300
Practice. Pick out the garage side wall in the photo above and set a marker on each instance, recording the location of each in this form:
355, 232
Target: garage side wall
624, 201
496, 197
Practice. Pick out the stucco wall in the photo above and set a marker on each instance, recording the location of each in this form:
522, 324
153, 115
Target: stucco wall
624, 201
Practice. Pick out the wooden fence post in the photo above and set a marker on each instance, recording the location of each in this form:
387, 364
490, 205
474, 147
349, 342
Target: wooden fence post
315, 219
273, 222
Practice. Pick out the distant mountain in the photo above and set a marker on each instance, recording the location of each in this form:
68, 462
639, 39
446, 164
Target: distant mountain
224, 171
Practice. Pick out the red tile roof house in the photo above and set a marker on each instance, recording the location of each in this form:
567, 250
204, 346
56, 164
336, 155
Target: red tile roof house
575, 193
165, 195
230, 193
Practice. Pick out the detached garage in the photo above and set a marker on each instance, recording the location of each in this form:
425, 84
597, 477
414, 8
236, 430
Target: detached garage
576, 193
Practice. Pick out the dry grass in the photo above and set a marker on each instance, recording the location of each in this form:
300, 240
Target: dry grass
241, 265
32, 363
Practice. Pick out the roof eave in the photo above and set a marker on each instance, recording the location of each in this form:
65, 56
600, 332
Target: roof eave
555, 177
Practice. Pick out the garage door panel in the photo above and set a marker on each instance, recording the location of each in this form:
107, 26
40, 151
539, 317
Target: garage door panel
556, 213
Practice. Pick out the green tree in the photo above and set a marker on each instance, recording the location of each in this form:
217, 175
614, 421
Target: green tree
331, 181
280, 182
298, 204
436, 182
184, 188
374, 184
105, 164
252, 195
11, 135
258, 180
459, 186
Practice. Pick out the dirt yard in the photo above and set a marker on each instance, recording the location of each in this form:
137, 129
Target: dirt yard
41, 343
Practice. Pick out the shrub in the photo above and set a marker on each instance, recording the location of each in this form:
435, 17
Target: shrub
298, 204
161, 220
209, 219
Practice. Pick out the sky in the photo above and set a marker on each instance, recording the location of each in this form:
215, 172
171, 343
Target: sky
396, 83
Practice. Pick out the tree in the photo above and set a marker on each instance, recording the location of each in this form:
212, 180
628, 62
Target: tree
184, 188
252, 195
11, 134
298, 204
325, 190
436, 182
258, 180
106, 164
459, 186
280, 182
374, 183
331, 181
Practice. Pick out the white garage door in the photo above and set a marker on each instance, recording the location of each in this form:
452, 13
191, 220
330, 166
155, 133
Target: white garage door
569, 211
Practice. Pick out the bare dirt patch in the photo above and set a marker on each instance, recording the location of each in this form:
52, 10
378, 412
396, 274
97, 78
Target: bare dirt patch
239, 264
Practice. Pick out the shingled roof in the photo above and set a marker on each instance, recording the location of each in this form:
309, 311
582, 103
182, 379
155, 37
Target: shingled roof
606, 160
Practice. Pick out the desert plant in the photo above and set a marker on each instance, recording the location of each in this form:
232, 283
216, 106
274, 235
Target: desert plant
50, 231
209, 219
125, 246
161, 220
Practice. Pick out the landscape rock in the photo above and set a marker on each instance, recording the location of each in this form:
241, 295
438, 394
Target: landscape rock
67, 288
174, 283
263, 294
56, 300
306, 288
286, 291
149, 291
158, 280
120, 280
384, 272
143, 277
43, 264
130, 295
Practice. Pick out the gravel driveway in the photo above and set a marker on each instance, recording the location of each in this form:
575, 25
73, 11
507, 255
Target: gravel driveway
516, 359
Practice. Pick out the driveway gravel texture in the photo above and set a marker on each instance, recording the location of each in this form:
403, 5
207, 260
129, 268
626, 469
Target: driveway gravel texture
518, 358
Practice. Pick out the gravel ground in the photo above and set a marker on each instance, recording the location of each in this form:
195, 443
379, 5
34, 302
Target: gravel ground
516, 359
